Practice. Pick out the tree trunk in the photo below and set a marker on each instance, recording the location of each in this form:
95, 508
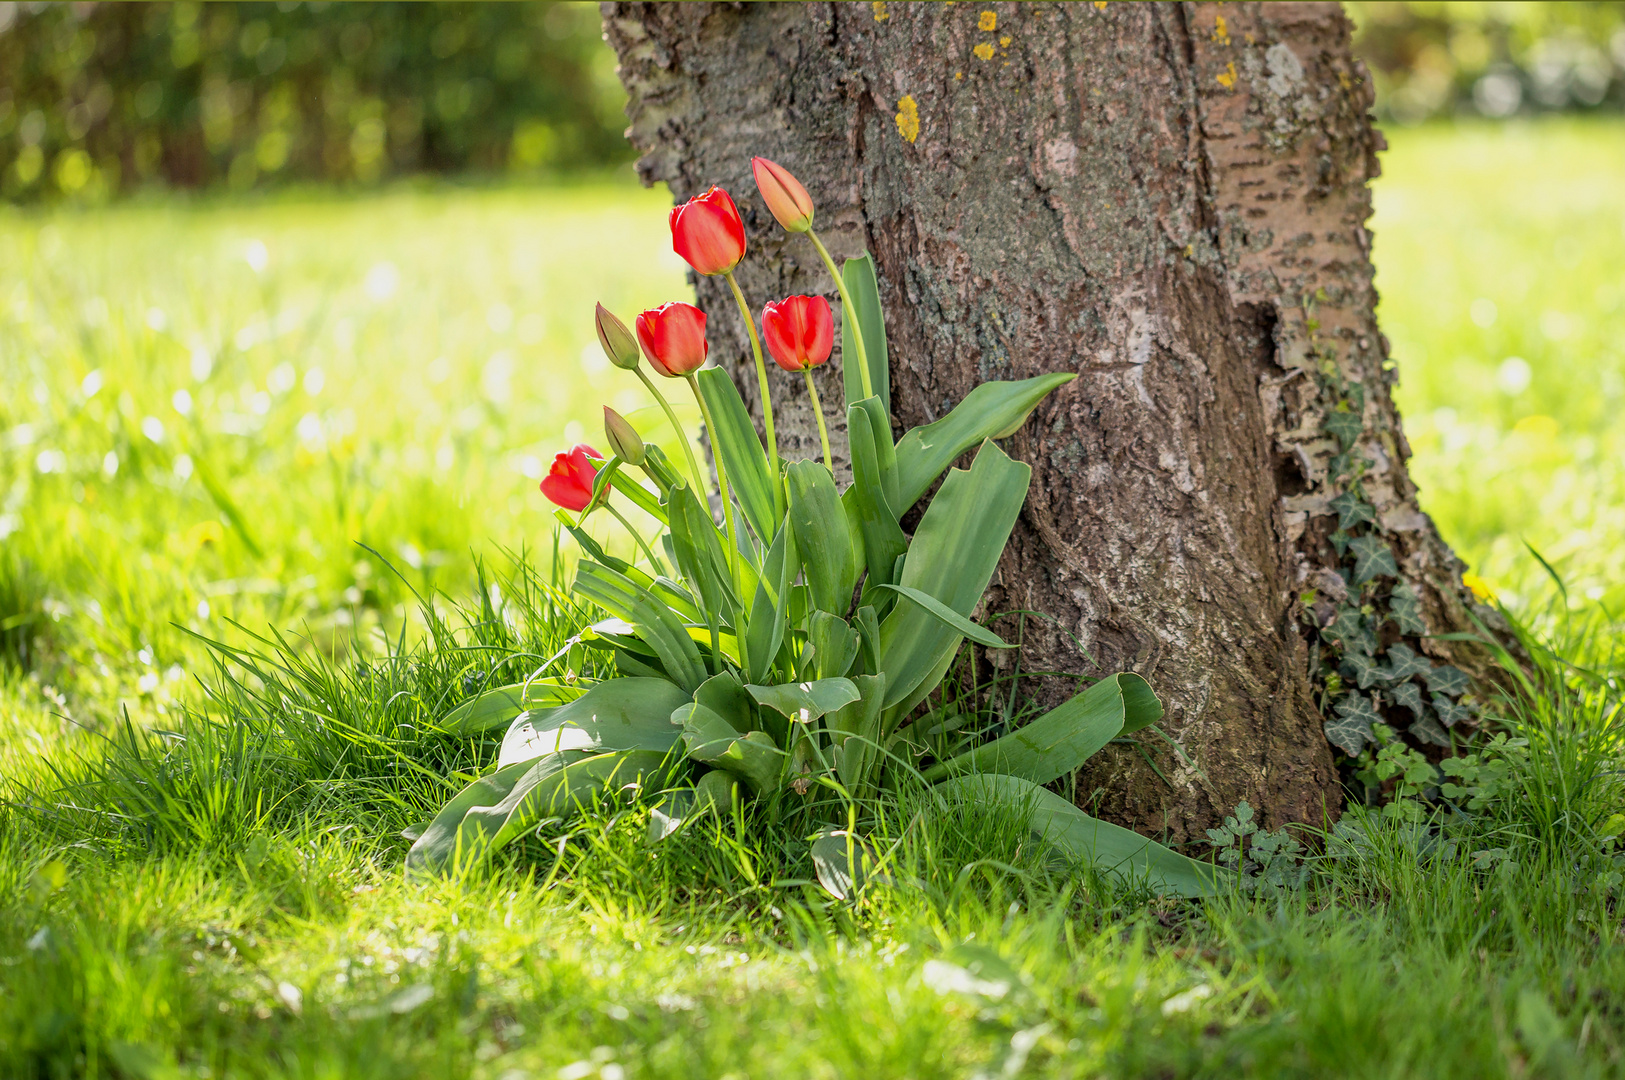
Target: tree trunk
1168, 200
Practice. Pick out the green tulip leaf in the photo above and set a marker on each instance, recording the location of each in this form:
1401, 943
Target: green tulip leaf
770, 606
822, 537
498, 706
806, 701
858, 275
494, 810
834, 642
883, 539
1109, 849
725, 695
991, 411
740, 448
955, 551
845, 863
1059, 742
655, 621
711, 740
618, 714
951, 618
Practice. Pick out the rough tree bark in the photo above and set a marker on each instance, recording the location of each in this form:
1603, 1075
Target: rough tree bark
1168, 200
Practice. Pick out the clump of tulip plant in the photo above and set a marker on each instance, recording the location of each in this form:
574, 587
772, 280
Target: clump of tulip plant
780, 662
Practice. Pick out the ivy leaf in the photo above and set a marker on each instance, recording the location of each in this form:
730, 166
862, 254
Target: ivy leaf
1451, 712
1352, 728
1372, 557
1448, 680
1347, 631
1352, 510
1406, 608
1403, 663
1409, 695
1346, 426
1363, 669
1428, 730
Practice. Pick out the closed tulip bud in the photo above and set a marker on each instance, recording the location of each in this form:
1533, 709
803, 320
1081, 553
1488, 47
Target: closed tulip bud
673, 338
623, 437
619, 344
784, 195
707, 232
799, 331
569, 482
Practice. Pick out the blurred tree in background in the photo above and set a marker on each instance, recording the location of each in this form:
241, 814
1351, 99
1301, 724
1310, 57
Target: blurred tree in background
98, 99
1491, 59
102, 99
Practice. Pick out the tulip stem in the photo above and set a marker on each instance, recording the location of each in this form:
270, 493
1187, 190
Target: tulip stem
818, 411
627, 525
849, 312
682, 436
722, 480
767, 399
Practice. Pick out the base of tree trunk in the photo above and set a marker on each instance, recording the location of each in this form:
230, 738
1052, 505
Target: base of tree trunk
1169, 201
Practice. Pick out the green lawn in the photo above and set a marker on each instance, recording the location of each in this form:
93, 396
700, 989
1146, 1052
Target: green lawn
208, 406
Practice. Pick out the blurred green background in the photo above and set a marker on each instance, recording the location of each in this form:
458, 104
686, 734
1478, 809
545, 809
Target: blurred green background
220, 384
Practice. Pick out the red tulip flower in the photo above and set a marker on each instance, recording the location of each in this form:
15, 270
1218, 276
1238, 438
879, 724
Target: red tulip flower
569, 482
784, 195
799, 331
707, 232
673, 337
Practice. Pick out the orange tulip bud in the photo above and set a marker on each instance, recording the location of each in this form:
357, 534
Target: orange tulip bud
784, 195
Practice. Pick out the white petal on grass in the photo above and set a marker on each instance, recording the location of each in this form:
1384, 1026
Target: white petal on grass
91, 384
281, 379
202, 362
1483, 312
157, 321
1186, 1000
181, 400
314, 381
1513, 375
309, 428
257, 256
382, 279
110, 463
946, 978
183, 466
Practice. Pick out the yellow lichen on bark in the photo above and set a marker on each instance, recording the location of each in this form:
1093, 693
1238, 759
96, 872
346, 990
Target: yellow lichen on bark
881, 14
908, 118
984, 51
989, 21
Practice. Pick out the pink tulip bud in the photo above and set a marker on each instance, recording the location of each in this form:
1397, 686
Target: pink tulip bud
784, 195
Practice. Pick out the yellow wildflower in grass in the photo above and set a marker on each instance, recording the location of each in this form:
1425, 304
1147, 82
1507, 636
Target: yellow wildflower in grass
1481, 588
